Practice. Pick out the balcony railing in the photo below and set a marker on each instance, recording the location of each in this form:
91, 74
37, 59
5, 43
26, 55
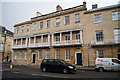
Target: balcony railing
105, 42
67, 42
19, 46
45, 44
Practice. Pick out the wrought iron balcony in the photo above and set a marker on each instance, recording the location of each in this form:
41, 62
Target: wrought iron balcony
66, 42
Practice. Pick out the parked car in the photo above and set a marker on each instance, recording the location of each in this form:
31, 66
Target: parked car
57, 65
103, 64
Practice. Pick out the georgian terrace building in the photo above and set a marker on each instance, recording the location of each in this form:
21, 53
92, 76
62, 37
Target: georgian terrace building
76, 35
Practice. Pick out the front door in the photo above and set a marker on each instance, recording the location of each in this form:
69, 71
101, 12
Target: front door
119, 56
79, 58
33, 61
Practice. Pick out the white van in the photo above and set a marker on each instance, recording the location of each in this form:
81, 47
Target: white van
102, 64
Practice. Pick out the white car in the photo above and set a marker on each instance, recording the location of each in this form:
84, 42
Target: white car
107, 64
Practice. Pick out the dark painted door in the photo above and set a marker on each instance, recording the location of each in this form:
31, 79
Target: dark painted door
119, 56
33, 58
79, 58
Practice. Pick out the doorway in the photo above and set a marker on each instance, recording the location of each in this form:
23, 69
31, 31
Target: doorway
119, 54
79, 58
33, 57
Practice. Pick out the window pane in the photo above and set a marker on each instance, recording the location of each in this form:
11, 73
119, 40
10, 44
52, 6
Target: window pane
27, 28
40, 55
97, 18
77, 35
20, 56
100, 53
67, 54
25, 57
47, 54
57, 21
15, 55
57, 54
67, 21
77, 17
67, 36
41, 25
117, 35
57, 37
99, 36
48, 23
34, 26
116, 15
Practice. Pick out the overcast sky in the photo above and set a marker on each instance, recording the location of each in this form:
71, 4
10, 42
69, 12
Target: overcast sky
16, 11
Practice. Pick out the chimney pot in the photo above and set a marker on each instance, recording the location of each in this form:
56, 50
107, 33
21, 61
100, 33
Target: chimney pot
94, 6
58, 8
84, 4
38, 14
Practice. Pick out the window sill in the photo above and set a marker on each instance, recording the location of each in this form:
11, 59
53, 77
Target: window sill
77, 22
40, 59
67, 60
116, 20
97, 22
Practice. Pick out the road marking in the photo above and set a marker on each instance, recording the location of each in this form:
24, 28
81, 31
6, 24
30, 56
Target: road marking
53, 76
16, 72
45, 75
35, 74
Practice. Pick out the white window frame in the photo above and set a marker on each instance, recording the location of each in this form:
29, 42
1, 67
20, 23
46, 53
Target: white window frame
100, 53
117, 35
41, 25
57, 54
47, 55
48, 24
17, 29
67, 55
99, 38
34, 26
77, 17
27, 28
67, 36
57, 37
47, 39
25, 55
77, 35
1, 46
115, 15
67, 19
15, 55
20, 55
97, 18
40, 40
22, 29
57, 21
40, 55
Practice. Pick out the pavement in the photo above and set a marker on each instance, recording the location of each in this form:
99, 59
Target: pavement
36, 66
91, 68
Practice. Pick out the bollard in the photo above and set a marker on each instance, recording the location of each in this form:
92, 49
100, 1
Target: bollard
11, 66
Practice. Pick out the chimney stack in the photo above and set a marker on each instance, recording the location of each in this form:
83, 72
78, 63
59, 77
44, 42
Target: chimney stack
58, 8
38, 14
84, 4
94, 6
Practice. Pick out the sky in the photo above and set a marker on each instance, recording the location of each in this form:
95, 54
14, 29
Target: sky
16, 11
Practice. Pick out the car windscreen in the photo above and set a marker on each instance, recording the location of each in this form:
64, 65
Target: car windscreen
116, 61
64, 62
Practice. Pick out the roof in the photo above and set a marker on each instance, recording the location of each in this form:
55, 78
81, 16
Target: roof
102, 8
53, 14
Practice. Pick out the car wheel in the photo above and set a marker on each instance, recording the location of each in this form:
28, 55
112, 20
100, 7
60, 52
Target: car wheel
100, 69
65, 71
44, 69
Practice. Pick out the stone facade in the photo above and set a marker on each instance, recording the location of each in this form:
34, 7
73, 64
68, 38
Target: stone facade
75, 41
